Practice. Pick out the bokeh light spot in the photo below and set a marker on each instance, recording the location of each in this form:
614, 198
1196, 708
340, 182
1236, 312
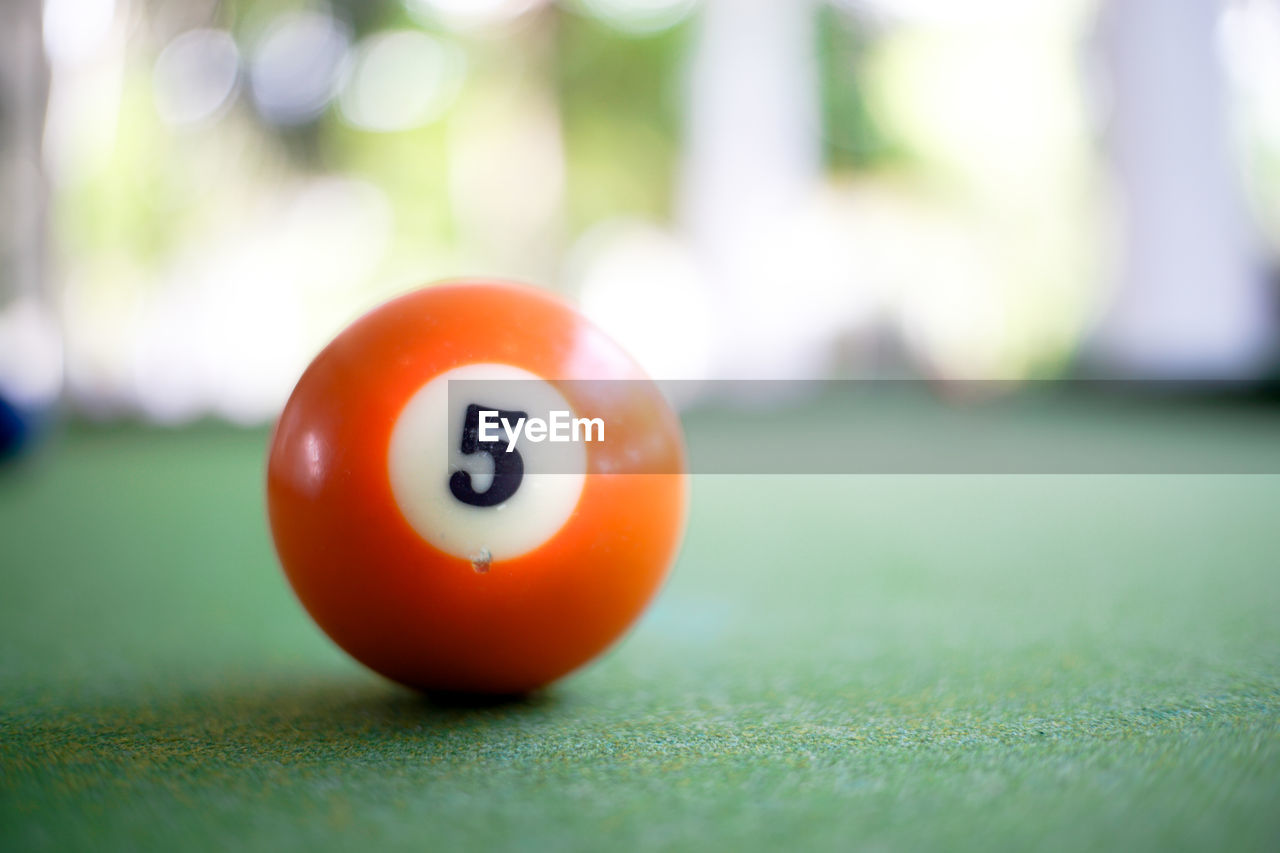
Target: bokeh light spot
400, 80
296, 66
470, 14
638, 17
195, 75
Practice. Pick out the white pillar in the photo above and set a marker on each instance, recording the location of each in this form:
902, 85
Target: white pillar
753, 158
24, 91
1191, 300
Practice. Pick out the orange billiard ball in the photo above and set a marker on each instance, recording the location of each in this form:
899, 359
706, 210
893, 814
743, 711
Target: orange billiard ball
440, 548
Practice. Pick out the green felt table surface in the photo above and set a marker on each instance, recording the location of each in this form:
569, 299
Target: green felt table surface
841, 662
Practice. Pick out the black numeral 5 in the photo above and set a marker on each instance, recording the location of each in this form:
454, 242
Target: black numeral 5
508, 466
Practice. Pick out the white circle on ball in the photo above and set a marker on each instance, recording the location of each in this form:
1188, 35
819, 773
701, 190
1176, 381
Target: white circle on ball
426, 451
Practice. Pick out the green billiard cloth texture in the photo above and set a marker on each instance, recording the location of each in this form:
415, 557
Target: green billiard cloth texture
845, 662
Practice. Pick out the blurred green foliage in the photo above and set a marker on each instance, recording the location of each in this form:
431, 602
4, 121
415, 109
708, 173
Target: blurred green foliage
621, 101
853, 139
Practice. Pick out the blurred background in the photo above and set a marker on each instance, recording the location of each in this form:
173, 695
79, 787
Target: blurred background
195, 195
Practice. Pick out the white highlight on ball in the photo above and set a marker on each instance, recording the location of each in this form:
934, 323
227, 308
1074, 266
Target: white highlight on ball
425, 451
